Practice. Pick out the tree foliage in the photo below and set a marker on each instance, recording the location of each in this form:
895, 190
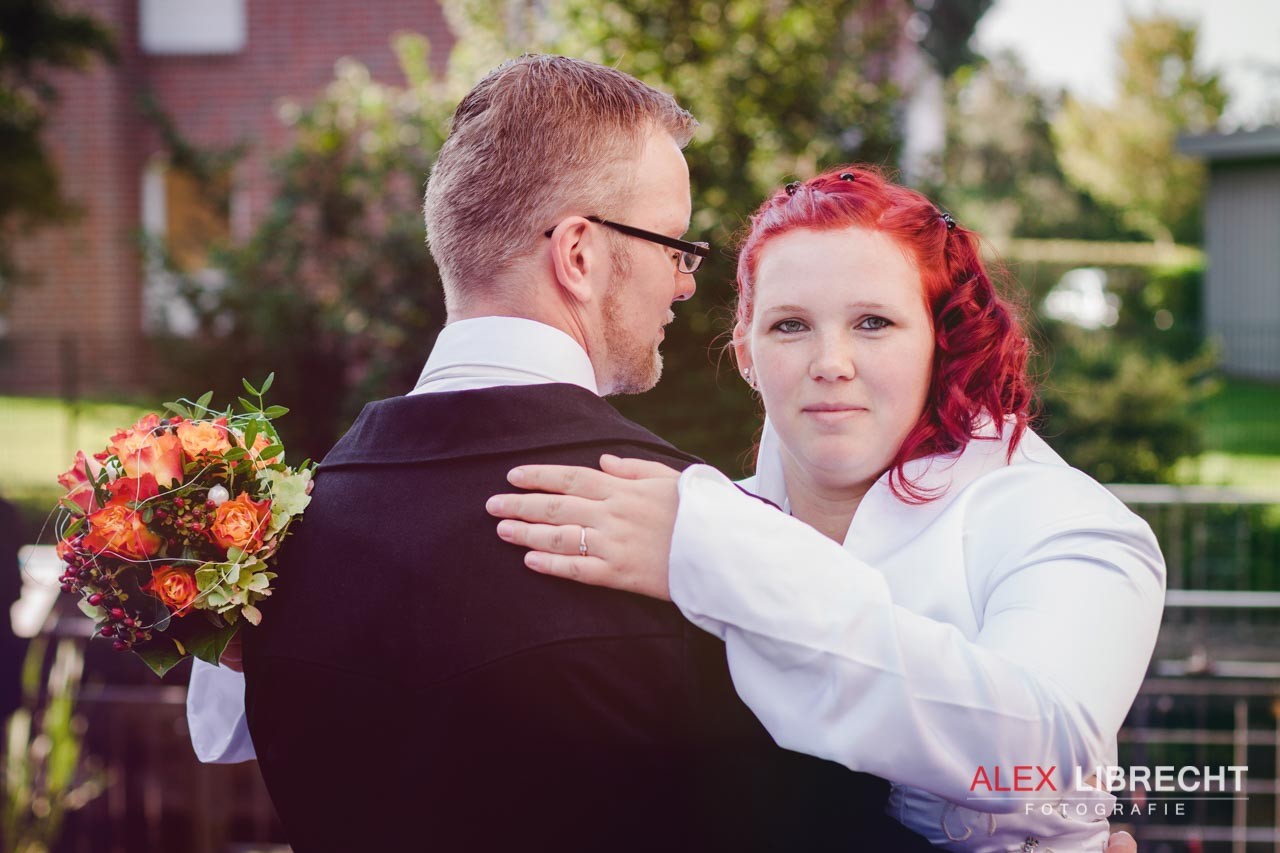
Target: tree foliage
1125, 153
36, 39
336, 290
999, 171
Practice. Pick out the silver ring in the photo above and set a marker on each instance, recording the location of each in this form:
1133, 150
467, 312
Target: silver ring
582, 541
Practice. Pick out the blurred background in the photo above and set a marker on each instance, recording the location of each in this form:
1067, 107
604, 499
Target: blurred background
192, 191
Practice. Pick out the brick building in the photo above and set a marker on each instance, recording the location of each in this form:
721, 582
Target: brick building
219, 70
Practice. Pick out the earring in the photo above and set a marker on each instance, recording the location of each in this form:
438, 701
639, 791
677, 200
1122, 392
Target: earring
746, 374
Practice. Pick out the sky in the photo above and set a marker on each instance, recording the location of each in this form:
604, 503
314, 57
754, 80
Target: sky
1072, 44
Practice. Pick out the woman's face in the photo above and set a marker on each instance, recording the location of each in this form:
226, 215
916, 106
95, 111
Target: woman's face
841, 349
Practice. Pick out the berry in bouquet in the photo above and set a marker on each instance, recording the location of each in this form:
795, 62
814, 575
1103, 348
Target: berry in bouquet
169, 535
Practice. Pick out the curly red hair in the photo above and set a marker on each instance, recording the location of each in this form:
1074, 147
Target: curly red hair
980, 350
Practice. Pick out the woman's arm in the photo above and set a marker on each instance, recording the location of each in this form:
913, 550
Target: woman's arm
833, 668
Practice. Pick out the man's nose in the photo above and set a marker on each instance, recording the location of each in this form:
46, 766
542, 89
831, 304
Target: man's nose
685, 287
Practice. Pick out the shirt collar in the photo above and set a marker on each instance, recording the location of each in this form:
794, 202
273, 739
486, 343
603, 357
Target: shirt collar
946, 473
487, 351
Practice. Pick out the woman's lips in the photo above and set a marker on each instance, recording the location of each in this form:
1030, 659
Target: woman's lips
832, 413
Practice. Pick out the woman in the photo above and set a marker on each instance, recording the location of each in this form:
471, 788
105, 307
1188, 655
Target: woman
991, 608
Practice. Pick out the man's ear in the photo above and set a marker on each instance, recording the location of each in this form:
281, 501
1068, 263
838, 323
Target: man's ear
577, 256
742, 352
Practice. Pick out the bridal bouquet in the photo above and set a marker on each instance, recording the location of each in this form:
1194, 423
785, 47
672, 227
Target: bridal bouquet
168, 535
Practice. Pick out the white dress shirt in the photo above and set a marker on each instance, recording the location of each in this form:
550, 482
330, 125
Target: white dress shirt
1007, 623
484, 352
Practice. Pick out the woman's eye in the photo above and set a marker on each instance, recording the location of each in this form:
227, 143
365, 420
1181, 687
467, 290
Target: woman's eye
789, 326
874, 324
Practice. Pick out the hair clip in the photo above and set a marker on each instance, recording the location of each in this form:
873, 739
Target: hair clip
792, 187
947, 218
848, 176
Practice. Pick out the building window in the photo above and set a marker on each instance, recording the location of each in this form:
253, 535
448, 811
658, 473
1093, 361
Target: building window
183, 216
185, 27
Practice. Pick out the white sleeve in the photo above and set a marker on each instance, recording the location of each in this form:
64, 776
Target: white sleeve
215, 715
831, 667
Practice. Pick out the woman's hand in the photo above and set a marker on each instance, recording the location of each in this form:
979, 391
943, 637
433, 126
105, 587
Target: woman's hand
624, 515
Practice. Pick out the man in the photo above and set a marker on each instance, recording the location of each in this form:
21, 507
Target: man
413, 686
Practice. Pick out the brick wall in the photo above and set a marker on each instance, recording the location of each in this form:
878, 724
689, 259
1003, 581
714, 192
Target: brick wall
79, 324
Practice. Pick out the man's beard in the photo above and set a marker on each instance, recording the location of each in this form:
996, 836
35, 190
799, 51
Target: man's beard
635, 361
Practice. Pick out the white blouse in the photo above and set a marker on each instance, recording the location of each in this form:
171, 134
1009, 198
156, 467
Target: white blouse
1007, 623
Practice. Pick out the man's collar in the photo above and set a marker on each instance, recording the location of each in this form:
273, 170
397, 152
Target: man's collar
487, 351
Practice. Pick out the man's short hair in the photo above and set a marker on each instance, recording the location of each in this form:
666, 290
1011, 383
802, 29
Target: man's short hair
538, 139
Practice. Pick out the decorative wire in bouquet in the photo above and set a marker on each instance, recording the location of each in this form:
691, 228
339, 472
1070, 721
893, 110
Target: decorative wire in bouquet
169, 534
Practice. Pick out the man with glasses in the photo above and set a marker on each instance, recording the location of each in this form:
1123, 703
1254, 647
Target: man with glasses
412, 685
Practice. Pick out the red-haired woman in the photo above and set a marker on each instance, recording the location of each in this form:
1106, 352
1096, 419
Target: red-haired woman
941, 597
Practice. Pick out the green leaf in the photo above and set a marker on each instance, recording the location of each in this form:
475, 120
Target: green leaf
251, 432
258, 582
73, 528
161, 655
233, 573
234, 554
70, 506
210, 642
235, 453
205, 399
207, 577
271, 451
254, 391
180, 410
276, 411
247, 406
266, 384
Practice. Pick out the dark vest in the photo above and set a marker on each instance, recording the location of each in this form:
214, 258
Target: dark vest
414, 687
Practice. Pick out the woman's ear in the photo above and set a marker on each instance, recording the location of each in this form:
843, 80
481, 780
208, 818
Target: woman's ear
576, 258
742, 353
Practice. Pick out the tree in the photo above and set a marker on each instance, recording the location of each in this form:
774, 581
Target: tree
950, 25
36, 37
1125, 153
336, 291
999, 171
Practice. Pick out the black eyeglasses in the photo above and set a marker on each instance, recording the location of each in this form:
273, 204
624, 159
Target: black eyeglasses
691, 254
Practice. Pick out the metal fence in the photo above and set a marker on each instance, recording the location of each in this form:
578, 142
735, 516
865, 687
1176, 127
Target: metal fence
1212, 697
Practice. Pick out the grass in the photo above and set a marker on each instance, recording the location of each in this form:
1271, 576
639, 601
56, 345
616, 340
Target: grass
1244, 418
39, 438
1242, 438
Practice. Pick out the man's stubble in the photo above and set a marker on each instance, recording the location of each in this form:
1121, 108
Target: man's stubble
636, 361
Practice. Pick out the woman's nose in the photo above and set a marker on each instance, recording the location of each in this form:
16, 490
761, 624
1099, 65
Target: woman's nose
834, 360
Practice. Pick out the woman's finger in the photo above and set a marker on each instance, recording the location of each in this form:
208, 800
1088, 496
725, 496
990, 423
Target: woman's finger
1122, 842
635, 469
544, 509
562, 480
564, 539
597, 572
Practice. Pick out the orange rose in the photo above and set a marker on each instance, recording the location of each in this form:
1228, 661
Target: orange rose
241, 523
118, 530
175, 587
148, 448
77, 481
137, 489
203, 437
